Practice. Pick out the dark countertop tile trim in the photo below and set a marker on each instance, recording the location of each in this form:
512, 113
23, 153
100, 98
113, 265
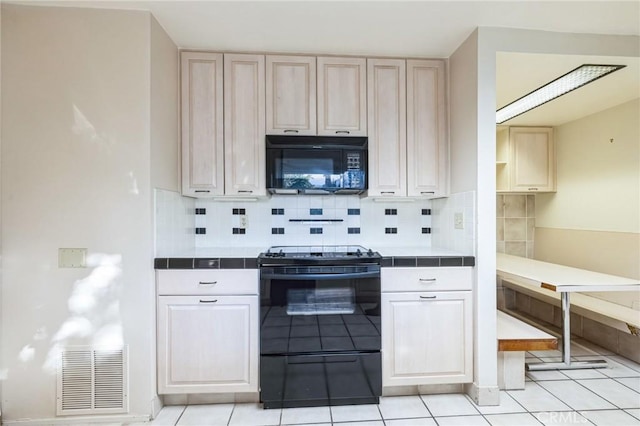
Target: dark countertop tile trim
252, 262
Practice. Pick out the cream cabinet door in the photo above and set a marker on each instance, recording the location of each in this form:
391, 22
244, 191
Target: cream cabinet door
202, 124
532, 160
386, 91
427, 145
244, 124
342, 98
207, 344
291, 95
426, 338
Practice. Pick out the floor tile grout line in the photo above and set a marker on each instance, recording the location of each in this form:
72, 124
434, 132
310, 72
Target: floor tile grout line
562, 402
180, 416
608, 378
616, 379
580, 384
231, 415
426, 406
632, 415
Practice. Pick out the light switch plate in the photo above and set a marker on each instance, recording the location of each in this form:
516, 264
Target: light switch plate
458, 220
72, 258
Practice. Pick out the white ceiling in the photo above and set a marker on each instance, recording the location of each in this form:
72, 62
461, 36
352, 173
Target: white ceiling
408, 28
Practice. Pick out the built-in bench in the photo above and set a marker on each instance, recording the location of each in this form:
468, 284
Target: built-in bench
516, 337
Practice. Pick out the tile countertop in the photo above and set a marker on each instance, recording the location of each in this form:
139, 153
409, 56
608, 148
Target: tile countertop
245, 258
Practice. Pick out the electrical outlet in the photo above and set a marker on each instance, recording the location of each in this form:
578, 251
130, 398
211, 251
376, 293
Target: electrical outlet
244, 221
458, 220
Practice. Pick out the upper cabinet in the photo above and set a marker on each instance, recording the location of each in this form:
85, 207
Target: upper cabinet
202, 124
291, 95
342, 99
408, 148
427, 153
399, 104
386, 90
223, 124
244, 125
525, 159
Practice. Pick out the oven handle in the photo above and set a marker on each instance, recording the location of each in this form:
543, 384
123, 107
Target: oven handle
320, 277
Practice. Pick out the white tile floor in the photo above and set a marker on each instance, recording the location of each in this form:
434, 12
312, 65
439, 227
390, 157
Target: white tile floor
579, 397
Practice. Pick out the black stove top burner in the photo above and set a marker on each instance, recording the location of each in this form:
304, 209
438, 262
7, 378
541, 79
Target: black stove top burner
324, 254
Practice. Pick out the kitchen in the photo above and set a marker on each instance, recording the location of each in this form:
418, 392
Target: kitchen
111, 120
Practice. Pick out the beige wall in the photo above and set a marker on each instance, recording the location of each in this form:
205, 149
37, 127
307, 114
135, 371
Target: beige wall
593, 221
615, 253
76, 172
598, 181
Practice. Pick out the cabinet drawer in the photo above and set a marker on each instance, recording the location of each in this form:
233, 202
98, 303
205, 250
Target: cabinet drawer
218, 281
426, 279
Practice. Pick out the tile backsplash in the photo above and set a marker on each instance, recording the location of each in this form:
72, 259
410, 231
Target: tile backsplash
313, 220
515, 224
446, 233
174, 222
184, 223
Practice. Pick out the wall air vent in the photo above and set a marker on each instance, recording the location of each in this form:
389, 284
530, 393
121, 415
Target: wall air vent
92, 381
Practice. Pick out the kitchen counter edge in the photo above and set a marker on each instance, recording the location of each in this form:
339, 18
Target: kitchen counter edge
252, 262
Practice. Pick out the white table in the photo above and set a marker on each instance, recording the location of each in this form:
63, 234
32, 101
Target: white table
563, 280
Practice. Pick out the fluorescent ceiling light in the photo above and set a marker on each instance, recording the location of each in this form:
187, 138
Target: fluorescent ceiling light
570, 81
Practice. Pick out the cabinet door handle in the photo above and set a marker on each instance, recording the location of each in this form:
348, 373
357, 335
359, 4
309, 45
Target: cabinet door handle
202, 190
290, 131
208, 301
245, 191
533, 189
342, 132
427, 280
427, 297
207, 282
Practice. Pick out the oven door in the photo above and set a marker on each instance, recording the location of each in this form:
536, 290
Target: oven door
327, 309
320, 335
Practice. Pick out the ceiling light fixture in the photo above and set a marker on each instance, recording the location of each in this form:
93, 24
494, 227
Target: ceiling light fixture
564, 84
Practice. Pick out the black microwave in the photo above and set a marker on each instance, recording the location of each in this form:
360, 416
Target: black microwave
316, 164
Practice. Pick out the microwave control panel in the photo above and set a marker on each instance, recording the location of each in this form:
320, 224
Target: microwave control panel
353, 161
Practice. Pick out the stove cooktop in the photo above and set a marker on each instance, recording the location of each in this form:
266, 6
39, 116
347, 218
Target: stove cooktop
319, 253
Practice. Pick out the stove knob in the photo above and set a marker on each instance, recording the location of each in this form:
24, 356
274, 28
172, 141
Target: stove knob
370, 252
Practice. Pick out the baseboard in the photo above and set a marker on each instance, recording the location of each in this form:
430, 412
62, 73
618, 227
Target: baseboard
156, 406
483, 395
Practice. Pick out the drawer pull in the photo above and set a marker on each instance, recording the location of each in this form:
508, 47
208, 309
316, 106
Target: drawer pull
342, 132
427, 297
290, 131
388, 192
427, 280
245, 191
207, 282
533, 189
208, 301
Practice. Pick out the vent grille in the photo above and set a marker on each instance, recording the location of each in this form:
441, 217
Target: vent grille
92, 381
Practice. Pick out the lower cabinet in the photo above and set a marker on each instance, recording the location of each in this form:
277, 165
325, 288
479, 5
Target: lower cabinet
207, 343
426, 338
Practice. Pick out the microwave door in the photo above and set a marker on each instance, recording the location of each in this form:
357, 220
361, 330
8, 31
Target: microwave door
309, 169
